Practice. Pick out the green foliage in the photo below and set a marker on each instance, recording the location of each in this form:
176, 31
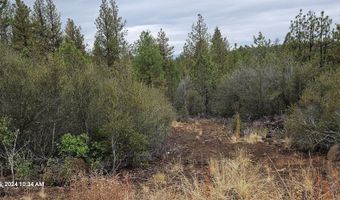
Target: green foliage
148, 61
261, 91
24, 168
54, 32
66, 93
314, 122
109, 42
6, 12
171, 70
40, 29
22, 32
139, 124
219, 53
75, 146
73, 35
7, 136
310, 37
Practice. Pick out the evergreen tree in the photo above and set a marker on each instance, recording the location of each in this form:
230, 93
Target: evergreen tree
309, 37
73, 34
334, 56
22, 30
148, 61
261, 47
40, 27
198, 42
219, 51
324, 39
109, 40
201, 71
171, 71
164, 46
5, 21
54, 33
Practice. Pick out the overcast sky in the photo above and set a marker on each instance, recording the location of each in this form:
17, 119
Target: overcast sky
239, 20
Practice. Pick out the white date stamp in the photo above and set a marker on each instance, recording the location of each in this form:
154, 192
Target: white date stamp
4, 184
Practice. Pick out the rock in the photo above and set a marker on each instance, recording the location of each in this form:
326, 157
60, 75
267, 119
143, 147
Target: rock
334, 153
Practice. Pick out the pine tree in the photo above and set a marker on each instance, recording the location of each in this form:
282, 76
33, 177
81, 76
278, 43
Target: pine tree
22, 30
164, 46
310, 37
40, 28
261, 45
109, 40
324, 39
197, 50
54, 33
335, 46
171, 71
73, 34
219, 51
148, 61
198, 42
5, 21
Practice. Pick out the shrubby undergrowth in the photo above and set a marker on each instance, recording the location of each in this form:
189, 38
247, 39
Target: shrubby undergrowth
314, 122
45, 100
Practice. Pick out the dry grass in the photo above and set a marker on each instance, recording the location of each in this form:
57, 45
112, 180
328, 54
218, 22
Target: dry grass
288, 142
237, 177
101, 188
253, 138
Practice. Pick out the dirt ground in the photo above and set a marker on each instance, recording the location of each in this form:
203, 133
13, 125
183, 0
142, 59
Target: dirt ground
195, 142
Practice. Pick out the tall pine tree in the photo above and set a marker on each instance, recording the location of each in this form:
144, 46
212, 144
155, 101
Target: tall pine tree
5, 21
148, 61
110, 37
171, 71
22, 29
54, 33
219, 51
73, 34
201, 71
40, 27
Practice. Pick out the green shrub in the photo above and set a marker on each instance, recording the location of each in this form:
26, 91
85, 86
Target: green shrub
24, 168
138, 120
66, 93
314, 122
74, 146
261, 91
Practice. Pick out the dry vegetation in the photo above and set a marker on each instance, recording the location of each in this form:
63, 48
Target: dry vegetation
233, 171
